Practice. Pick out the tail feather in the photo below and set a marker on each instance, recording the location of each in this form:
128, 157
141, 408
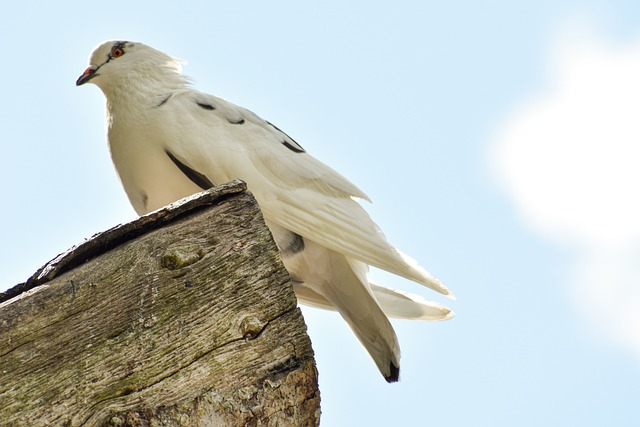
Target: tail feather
328, 279
403, 305
356, 304
394, 303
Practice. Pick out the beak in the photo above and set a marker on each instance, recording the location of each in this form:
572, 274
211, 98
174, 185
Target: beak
88, 74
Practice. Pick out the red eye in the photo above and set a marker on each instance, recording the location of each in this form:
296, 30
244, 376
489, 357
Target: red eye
117, 52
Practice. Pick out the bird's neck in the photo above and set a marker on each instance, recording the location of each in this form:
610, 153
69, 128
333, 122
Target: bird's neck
138, 92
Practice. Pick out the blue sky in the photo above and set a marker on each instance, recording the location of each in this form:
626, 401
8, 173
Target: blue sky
498, 142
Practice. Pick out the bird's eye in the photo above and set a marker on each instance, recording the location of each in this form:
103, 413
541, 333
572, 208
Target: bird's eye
117, 52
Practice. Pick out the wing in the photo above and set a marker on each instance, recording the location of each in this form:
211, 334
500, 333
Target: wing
295, 190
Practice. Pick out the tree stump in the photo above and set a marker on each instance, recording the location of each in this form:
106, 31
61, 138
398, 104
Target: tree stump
183, 317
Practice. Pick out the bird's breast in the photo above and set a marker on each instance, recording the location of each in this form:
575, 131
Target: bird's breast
149, 176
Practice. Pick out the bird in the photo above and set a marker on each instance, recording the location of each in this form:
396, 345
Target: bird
168, 141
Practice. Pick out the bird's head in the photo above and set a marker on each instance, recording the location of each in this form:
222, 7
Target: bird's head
116, 63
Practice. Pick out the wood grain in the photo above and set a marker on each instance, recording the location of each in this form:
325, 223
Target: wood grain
190, 322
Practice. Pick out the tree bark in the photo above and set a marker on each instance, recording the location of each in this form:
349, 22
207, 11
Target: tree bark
183, 317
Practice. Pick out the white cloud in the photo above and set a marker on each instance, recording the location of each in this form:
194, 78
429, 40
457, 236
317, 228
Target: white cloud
570, 160
606, 289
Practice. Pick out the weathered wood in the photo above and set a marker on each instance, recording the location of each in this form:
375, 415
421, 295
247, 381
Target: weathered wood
185, 317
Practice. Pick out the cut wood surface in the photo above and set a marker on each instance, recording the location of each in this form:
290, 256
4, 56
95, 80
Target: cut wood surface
184, 317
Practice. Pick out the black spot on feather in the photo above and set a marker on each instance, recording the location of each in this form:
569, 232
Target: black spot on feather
288, 142
164, 101
196, 177
236, 121
206, 106
292, 147
293, 245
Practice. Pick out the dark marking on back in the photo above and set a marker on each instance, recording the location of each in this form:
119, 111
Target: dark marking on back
236, 121
196, 177
293, 245
394, 376
164, 101
288, 142
205, 106
292, 147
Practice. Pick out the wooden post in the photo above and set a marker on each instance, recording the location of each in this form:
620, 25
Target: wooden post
183, 317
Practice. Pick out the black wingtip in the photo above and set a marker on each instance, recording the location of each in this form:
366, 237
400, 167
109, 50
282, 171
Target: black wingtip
394, 376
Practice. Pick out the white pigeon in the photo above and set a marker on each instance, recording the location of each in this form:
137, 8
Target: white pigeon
169, 141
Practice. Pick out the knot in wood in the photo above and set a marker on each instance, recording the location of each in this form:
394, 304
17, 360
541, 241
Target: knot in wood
176, 259
149, 322
251, 327
116, 421
247, 393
